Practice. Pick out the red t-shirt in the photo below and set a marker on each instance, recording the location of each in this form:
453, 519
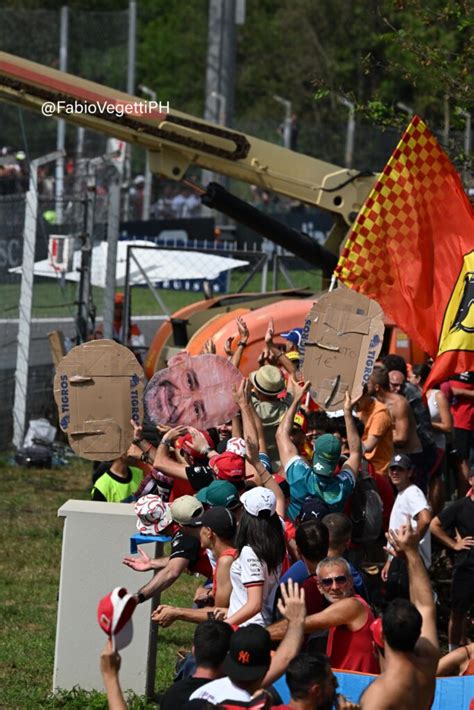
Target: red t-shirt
353, 650
228, 552
462, 408
180, 488
313, 598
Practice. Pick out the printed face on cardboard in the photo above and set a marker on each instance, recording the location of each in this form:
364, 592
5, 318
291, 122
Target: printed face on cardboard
193, 390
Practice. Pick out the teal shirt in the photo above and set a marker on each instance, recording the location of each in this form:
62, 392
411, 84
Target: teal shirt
304, 482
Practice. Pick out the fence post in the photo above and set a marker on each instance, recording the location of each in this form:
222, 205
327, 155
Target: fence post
26, 298
113, 224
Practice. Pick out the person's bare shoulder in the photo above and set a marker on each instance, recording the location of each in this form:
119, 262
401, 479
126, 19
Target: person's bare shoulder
400, 405
381, 695
375, 696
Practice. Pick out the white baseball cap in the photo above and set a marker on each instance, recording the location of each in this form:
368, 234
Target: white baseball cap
257, 500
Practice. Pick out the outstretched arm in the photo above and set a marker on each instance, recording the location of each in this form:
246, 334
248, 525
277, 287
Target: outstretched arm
405, 542
286, 447
164, 462
345, 611
280, 357
144, 563
164, 578
353, 438
292, 606
242, 342
109, 667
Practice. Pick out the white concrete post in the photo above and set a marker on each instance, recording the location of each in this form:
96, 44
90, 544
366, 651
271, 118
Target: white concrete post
95, 539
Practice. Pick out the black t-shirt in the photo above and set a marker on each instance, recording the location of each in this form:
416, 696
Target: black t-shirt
199, 476
178, 695
467, 377
185, 546
460, 515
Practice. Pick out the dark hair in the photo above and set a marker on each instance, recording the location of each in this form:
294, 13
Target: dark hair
312, 539
421, 370
305, 670
401, 624
337, 425
395, 362
318, 420
380, 377
339, 527
211, 643
265, 537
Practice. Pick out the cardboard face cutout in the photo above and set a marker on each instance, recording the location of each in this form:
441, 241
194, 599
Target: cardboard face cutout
342, 339
98, 388
193, 390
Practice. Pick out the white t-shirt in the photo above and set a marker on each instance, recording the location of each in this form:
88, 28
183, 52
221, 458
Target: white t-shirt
412, 501
439, 436
216, 691
247, 571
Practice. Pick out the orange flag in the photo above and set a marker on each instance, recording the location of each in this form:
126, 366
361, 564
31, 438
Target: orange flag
412, 250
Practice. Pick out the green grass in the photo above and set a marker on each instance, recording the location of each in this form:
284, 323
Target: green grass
51, 300
30, 553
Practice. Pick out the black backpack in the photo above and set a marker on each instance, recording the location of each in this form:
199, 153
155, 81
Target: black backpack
367, 508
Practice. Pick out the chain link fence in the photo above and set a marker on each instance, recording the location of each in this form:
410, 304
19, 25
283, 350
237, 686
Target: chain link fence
187, 268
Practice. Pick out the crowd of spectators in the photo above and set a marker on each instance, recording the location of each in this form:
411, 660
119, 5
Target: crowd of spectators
267, 509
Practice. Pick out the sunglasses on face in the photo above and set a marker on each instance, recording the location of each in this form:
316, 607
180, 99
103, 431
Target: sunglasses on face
327, 582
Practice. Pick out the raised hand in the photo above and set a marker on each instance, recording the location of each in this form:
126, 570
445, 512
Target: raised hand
137, 429
298, 388
110, 660
228, 346
292, 603
270, 332
243, 330
199, 440
403, 540
174, 433
209, 347
242, 395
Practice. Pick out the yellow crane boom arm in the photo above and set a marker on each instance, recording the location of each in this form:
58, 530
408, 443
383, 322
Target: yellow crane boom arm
176, 140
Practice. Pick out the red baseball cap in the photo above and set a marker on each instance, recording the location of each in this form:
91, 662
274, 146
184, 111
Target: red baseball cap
228, 466
115, 611
186, 444
377, 632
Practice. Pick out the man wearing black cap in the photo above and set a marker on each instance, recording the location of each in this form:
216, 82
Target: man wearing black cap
217, 530
411, 502
248, 664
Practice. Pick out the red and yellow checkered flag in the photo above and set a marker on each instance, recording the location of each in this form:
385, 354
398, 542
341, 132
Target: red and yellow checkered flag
412, 246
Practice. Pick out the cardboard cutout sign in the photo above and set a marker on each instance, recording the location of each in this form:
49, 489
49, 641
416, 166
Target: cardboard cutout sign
342, 339
193, 390
98, 388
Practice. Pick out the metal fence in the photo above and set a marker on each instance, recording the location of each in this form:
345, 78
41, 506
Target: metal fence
185, 243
